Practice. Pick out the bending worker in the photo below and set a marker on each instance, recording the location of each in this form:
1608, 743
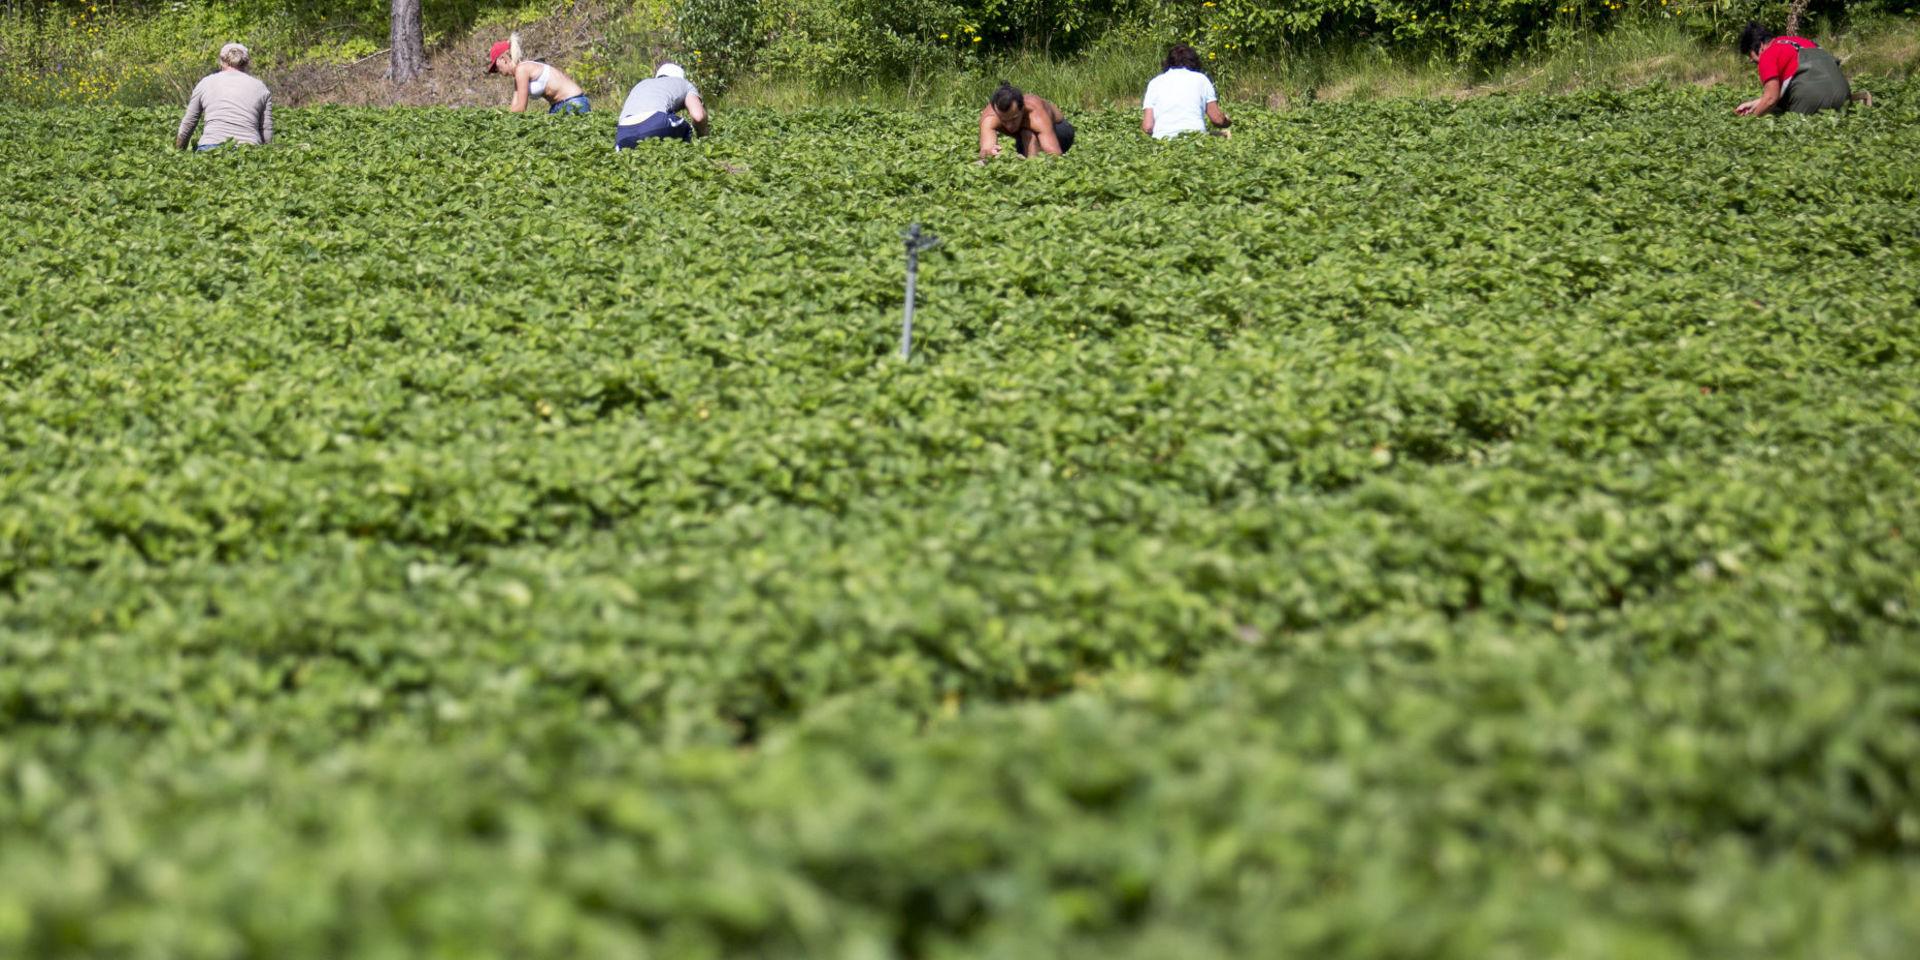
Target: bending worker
1034, 124
652, 108
237, 106
1796, 76
531, 78
1181, 99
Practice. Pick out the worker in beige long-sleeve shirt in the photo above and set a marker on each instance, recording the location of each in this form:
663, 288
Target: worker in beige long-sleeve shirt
237, 106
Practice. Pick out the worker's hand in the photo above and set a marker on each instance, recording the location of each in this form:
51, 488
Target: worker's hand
1746, 108
988, 152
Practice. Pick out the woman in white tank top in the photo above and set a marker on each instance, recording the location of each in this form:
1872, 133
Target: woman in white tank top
532, 78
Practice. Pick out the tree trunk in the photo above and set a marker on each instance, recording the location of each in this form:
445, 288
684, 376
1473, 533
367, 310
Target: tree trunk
1795, 10
409, 56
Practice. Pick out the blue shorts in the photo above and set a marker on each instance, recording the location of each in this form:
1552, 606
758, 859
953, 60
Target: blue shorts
660, 126
577, 104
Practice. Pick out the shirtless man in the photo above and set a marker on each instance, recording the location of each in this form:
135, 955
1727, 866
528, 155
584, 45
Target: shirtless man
1035, 125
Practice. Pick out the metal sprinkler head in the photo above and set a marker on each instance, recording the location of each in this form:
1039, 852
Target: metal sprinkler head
916, 241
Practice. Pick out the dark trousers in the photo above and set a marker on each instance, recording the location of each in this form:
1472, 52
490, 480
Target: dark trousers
1063, 132
660, 126
1817, 85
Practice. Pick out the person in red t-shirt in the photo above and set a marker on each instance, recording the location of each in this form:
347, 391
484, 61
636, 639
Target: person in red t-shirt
1796, 76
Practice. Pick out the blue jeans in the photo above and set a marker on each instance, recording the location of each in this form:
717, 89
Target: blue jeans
662, 126
577, 104
203, 148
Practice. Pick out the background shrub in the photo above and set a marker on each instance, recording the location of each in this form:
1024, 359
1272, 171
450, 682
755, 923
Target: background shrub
88, 51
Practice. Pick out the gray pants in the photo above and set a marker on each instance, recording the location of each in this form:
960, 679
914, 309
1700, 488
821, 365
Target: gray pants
1818, 84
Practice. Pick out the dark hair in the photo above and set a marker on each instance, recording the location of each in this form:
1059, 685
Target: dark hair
1754, 37
1007, 97
1182, 56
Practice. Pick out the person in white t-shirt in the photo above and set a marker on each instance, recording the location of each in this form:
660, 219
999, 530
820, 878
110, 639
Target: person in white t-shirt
652, 110
1181, 100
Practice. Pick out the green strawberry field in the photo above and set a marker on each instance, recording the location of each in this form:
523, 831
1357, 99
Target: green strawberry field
1410, 529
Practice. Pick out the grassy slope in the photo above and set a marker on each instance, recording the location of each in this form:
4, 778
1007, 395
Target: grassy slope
1633, 55
608, 48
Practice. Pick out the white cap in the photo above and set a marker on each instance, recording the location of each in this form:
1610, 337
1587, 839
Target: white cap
671, 70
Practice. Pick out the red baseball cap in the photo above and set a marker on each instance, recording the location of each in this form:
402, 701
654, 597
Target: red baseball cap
493, 55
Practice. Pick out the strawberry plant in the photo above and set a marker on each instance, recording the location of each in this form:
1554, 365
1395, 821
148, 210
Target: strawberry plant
1409, 528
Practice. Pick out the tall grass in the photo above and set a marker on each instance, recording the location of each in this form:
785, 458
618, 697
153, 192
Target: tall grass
156, 55
1114, 75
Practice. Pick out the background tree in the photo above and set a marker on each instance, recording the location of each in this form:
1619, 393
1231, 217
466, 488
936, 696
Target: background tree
1795, 10
408, 53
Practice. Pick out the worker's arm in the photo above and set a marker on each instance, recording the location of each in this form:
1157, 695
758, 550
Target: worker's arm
697, 112
1769, 99
1045, 140
1146, 122
1217, 116
520, 82
989, 134
266, 120
188, 122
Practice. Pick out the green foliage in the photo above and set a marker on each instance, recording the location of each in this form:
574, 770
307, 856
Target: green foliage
99, 51
629, 47
140, 53
1475, 32
1418, 529
834, 44
85, 53
721, 38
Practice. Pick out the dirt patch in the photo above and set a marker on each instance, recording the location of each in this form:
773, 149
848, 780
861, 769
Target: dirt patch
456, 74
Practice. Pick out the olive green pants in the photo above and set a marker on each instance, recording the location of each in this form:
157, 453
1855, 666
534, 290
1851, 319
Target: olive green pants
1818, 84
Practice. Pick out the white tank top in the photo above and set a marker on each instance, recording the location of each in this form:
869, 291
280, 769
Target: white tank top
538, 88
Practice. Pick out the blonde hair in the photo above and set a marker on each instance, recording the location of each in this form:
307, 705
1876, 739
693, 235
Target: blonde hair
513, 48
236, 56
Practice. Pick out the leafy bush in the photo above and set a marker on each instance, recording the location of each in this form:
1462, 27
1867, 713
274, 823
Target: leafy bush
1477, 32
722, 37
832, 43
80, 51
837, 43
83, 54
89, 51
